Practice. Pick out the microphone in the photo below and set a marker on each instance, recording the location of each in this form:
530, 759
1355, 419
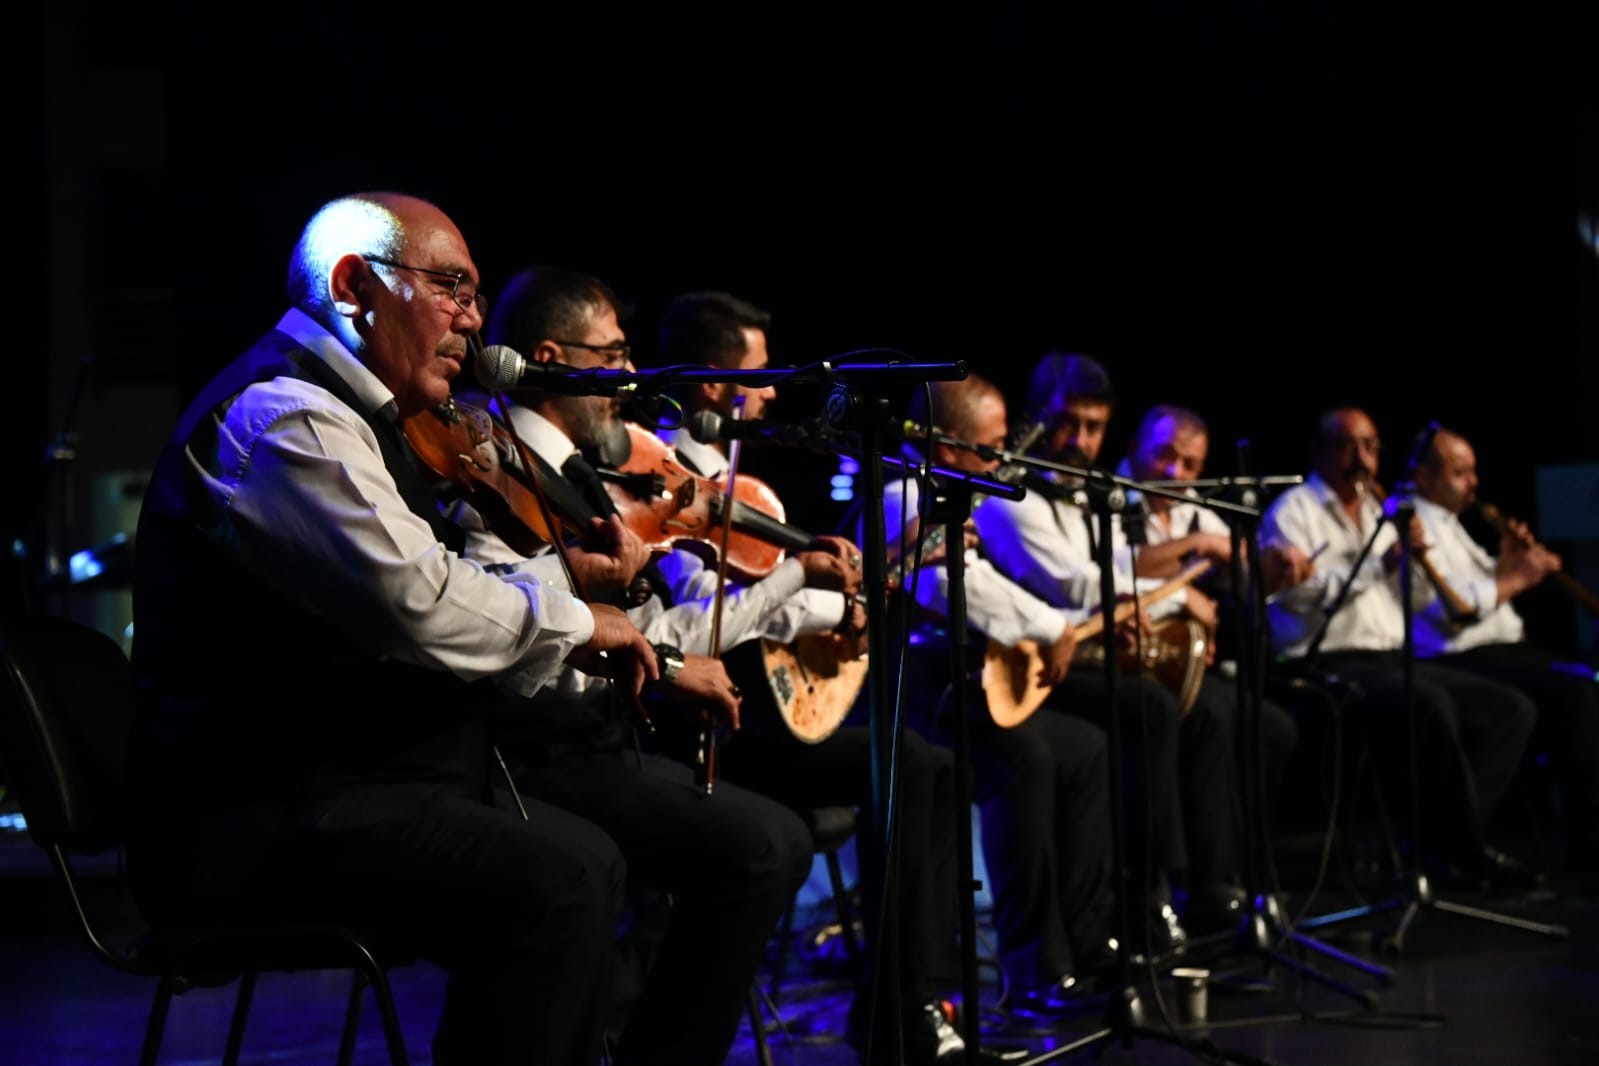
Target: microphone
708, 427
501, 367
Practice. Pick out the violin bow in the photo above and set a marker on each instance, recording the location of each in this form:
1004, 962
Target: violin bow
708, 726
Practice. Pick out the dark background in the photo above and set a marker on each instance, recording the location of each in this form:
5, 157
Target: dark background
1257, 210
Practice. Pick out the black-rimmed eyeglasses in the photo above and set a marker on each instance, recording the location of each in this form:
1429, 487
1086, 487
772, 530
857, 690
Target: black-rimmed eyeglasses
462, 290
617, 352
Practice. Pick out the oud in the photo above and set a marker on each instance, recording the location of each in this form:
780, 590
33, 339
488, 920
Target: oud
1010, 675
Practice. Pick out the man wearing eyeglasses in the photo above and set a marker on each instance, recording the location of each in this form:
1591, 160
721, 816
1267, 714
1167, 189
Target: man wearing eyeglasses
709, 875
314, 659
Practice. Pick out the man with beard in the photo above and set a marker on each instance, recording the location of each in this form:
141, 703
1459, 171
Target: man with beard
728, 863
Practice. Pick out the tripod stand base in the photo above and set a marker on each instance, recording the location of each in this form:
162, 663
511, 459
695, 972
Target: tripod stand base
1125, 1022
1417, 895
1263, 934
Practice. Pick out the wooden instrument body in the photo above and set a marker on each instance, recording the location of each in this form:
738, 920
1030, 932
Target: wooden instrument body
1010, 675
811, 683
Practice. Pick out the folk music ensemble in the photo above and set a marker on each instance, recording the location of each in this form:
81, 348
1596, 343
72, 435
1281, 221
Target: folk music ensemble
550, 697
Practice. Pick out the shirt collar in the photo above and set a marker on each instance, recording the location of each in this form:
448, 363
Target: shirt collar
313, 336
705, 459
542, 435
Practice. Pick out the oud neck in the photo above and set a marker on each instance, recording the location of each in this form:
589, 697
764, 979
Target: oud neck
1092, 627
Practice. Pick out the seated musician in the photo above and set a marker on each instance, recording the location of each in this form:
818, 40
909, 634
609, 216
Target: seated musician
311, 651
730, 863
1042, 784
720, 330
1171, 444
714, 854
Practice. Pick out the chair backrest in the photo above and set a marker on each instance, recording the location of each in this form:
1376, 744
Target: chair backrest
66, 719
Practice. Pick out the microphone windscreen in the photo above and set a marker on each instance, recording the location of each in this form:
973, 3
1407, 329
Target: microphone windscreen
705, 426
498, 367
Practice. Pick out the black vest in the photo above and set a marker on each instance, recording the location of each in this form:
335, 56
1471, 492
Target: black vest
252, 706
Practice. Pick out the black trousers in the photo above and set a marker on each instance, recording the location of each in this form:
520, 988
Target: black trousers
1212, 765
1149, 719
1042, 790
1471, 733
731, 862
838, 772
1567, 729
519, 914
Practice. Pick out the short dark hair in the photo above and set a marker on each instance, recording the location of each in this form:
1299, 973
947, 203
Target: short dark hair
1185, 418
708, 327
542, 303
1061, 378
953, 403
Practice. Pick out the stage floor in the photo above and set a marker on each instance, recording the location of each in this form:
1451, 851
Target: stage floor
1464, 990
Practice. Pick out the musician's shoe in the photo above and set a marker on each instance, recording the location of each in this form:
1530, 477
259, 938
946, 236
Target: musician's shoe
1497, 870
1215, 907
931, 1039
1159, 932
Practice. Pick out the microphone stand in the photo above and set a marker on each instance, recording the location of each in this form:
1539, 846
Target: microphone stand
1415, 891
947, 497
1262, 929
857, 405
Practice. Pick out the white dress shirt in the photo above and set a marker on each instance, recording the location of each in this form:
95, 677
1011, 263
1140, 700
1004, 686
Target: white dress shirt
1309, 517
996, 606
1043, 545
786, 608
1468, 569
315, 511
1180, 517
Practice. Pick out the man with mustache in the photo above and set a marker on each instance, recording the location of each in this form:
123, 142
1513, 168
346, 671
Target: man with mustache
1470, 731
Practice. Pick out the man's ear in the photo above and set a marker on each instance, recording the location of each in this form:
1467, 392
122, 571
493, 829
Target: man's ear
711, 394
546, 352
347, 283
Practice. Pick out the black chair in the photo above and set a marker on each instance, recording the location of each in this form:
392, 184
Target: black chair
831, 828
66, 715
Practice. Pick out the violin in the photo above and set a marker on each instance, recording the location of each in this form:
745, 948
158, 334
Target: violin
463, 444
664, 502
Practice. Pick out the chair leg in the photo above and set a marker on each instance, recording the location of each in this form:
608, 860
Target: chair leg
393, 1035
846, 913
785, 941
241, 1012
352, 1019
763, 1053
157, 1023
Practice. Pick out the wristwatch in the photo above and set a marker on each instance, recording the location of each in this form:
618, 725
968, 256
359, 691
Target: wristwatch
669, 661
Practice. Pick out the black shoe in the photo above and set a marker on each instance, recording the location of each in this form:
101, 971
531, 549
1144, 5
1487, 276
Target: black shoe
1497, 870
931, 1039
1051, 1003
1216, 907
1159, 932
1097, 964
